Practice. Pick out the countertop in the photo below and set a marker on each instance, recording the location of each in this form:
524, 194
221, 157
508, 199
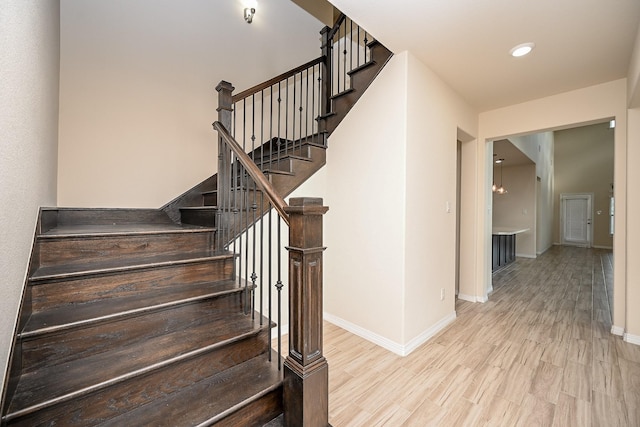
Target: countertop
505, 231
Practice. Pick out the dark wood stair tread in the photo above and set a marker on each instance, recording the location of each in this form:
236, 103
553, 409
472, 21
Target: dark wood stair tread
54, 384
75, 315
101, 230
220, 394
66, 271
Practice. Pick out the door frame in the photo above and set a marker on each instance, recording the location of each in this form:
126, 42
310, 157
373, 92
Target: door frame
590, 197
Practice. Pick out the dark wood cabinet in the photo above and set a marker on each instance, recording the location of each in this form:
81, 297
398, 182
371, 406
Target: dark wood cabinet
503, 250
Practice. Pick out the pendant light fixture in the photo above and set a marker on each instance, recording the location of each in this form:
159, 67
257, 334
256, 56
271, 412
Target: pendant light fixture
501, 189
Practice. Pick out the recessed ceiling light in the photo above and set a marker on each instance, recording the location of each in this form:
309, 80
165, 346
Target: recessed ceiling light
499, 160
522, 49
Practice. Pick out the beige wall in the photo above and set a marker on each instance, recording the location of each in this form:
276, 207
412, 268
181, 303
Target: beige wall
632, 231
29, 67
584, 164
137, 89
321, 9
539, 148
583, 106
517, 208
434, 115
391, 241
633, 198
364, 233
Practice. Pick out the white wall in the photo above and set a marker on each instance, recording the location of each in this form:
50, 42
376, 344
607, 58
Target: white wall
137, 94
517, 207
365, 224
539, 148
391, 240
434, 115
583, 106
633, 198
29, 48
632, 325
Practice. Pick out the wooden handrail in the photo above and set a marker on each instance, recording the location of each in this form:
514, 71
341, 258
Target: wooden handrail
255, 172
336, 26
257, 88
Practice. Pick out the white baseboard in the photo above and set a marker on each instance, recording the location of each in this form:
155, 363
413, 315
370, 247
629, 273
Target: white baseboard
465, 297
544, 250
526, 256
632, 339
610, 248
473, 298
617, 330
392, 346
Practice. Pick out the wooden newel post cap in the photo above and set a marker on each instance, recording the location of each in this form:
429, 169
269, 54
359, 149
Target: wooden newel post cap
306, 206
305, 222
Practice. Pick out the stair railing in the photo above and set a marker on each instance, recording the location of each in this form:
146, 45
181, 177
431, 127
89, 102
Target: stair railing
347, 49
260, 128
244, 194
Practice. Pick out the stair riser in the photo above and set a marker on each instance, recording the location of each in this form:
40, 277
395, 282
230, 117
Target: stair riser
210, 199
51, 217
77, 250
197, 319
51, 294
256, 414
122, 397
207, 218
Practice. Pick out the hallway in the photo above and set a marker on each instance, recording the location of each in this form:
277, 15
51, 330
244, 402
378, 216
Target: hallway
539, 352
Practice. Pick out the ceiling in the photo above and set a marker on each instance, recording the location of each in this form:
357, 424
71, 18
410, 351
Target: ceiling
504, 149
579, 43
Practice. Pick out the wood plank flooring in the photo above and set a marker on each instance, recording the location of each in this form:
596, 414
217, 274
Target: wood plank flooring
538, 353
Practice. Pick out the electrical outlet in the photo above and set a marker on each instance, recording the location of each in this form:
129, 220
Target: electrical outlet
442, 294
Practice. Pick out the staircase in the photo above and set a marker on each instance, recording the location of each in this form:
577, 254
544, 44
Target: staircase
138, 317
131, 319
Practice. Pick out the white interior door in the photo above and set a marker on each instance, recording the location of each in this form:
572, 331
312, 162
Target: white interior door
576, 219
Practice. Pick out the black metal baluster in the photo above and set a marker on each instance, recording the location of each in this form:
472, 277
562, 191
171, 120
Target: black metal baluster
351, 41
269, 268
261, 271
293, 118
300, 119
279, 286
279, 136
286, 119
270, 127
358, 58
306, 111
251, 184
344, 57
366, 48
313, 104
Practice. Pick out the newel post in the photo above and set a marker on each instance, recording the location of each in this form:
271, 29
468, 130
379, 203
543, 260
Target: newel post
325, 86
225, 111
306, 372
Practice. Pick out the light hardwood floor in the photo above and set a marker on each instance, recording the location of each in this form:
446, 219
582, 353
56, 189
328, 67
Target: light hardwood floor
538, 353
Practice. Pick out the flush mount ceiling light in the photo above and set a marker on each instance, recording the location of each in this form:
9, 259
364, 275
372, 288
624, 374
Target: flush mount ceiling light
522, 49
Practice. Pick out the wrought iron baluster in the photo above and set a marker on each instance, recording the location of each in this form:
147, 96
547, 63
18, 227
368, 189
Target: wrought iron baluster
269, 268
344, 57
279, 286
352, 47
293, 119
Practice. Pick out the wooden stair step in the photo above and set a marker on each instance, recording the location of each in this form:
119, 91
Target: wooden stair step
78, 245
228, 398
55, 384
52, 217
70, 342
110, 306
68, 271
